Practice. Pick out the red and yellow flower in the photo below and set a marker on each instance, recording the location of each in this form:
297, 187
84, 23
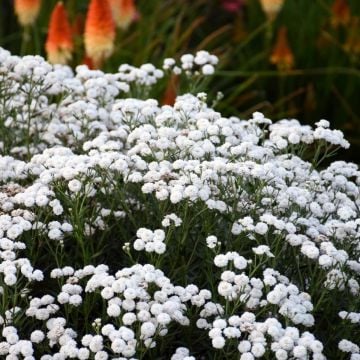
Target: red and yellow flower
124, 12
27, 11
99, 33
59, 44
271, 7
282, 56
341, 13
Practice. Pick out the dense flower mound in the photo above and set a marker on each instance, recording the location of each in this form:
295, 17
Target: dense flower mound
130, 230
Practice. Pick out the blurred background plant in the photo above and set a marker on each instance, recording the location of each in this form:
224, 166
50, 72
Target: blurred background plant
285, 58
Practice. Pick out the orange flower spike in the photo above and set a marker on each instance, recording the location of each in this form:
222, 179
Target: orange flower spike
341, 14
27, 11
282, 56
59, 44
271, 7
99, 31
171, 91
124, 12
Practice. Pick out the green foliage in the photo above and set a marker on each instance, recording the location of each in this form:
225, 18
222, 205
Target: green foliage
324, 83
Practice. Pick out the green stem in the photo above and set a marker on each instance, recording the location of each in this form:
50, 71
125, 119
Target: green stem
297, 72
24, 41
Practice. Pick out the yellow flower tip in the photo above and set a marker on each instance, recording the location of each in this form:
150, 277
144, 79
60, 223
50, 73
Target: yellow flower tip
59, 44
282, 56
271, 7
124, 12
27, 11
99, 31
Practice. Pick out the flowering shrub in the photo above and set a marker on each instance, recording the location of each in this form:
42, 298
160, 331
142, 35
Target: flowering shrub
130, 230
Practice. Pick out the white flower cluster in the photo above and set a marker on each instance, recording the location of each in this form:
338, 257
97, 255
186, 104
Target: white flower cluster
292, 304
171, 219
252, 236
351, 316
146, 74
182, 353
287, 343
14, 345
200, 63
150, 241
290, 132
239, 261
349, 347
42, 309
128, 298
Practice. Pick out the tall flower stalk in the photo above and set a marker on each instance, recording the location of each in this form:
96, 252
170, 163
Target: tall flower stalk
99, 33
124, 12
59, 43
27, 11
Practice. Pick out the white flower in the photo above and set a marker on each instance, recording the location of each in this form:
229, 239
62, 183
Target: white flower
169, 63
113, 310
281, 354
232, 332
14, 231
240, 262
225, 288
55, 234
211, 241
261, 228
219, 323
310, 251
159, 247
74, 185
37, 336
10, 279
274, 297
286, 343
96, 343
75, 300
263, 249
299, 351
221, 260
163, 318
247, 356
258, 350
244, 346
208, 69
147, 330
83, 354
101, 355
218, 342
139, 244
323, 123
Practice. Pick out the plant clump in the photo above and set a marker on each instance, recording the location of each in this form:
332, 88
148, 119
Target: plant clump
131, 230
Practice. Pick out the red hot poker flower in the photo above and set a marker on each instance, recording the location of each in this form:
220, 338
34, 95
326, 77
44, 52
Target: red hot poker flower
27, 11
99, 31
124, 12
282, 56
59, 44
340, 13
